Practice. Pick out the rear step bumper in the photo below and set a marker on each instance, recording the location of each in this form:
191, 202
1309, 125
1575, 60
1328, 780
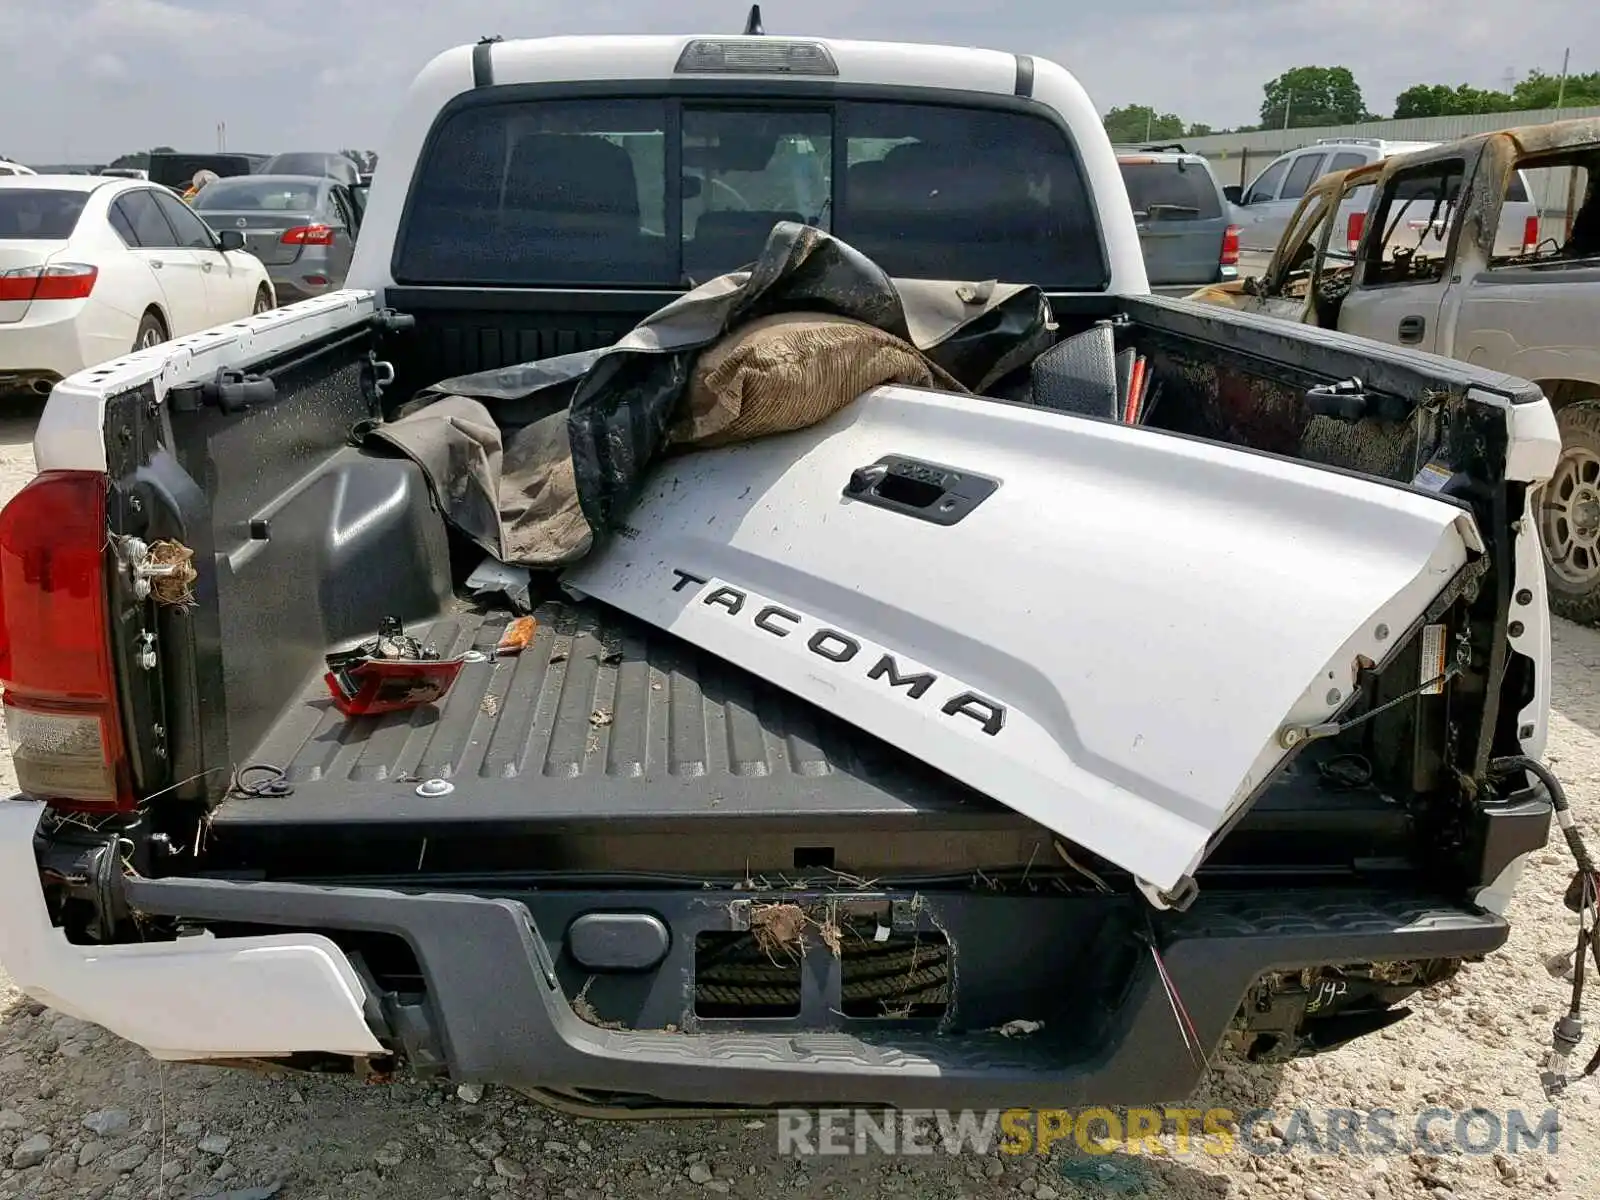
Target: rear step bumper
496, 1009
503, 1017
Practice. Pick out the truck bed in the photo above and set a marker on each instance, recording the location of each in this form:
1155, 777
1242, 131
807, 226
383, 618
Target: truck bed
598, 709
607, 746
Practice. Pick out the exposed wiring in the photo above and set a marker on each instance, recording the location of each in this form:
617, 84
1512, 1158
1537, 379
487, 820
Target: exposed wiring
1180, 1011
1582, 897
1081, 869
260, 779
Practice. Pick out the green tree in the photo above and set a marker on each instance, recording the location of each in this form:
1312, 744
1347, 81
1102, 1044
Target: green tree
1313, 96
1199, 129
1441, 100
1141, 123
1540, 90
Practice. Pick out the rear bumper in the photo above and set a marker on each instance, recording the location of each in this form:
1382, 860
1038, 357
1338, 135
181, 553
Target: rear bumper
496, 1008
49, 346
199, 997
292, 282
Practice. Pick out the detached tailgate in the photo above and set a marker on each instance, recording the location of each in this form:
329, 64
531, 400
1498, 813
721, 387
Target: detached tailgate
1104, 628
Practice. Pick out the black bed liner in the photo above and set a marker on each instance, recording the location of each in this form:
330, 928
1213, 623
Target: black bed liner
598, 713
612, 748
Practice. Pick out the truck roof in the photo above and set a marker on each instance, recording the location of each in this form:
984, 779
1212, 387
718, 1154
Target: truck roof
659, 57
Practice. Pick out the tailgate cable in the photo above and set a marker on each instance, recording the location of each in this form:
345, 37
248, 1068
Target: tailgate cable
1291, 736
1582, 897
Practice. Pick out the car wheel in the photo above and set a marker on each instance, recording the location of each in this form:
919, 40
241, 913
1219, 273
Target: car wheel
151, 332
1569, 516
263, 302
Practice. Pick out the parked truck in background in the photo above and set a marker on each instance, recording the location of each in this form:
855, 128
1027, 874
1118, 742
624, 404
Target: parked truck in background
1412, 251
559, 876
176, 170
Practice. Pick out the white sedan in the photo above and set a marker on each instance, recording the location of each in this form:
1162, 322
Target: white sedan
92, 267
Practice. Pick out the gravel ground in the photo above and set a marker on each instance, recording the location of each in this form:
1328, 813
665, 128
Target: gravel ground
83, 1114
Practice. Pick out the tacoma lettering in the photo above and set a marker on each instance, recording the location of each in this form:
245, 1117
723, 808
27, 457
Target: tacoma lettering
915, 685
769, 614
840, 648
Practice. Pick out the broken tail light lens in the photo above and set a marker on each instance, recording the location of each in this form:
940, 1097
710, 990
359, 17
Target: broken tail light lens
374, 687
55, 644
1353, 230
391, 673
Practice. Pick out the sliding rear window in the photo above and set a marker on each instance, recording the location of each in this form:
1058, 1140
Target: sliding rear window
573, 192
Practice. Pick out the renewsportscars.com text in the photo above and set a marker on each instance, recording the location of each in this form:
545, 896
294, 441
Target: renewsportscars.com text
1168, 1131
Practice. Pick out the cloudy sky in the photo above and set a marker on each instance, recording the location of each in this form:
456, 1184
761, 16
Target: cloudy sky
85, 80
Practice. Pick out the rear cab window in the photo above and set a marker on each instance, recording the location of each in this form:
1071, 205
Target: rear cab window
1171, 189
1560, 193
669, 192
40, 214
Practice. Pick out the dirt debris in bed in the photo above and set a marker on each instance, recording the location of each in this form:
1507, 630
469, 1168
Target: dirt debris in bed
83, 1114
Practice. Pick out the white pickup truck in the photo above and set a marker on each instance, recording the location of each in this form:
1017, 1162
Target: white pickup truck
1419, 267
955, 709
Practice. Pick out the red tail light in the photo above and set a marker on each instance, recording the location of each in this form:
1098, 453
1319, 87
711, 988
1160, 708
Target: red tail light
55, 644
1354, 228
1230, 246
59, 281
308, 235
1530, 235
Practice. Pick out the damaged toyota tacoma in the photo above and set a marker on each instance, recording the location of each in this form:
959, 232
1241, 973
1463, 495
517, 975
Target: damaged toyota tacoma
1121, 679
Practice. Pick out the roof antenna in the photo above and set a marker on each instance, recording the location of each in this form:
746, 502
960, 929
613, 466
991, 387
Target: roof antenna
752, 27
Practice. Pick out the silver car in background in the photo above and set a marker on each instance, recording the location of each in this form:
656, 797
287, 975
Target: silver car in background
302, 227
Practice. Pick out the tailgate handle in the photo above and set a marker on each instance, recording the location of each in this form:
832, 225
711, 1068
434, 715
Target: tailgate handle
932, 492
1412, 329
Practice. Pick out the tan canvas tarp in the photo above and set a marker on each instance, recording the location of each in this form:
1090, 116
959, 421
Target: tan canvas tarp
535, 462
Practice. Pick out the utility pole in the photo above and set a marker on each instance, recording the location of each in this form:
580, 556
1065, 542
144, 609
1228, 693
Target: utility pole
1288, 103
1149, 123
1572, 173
